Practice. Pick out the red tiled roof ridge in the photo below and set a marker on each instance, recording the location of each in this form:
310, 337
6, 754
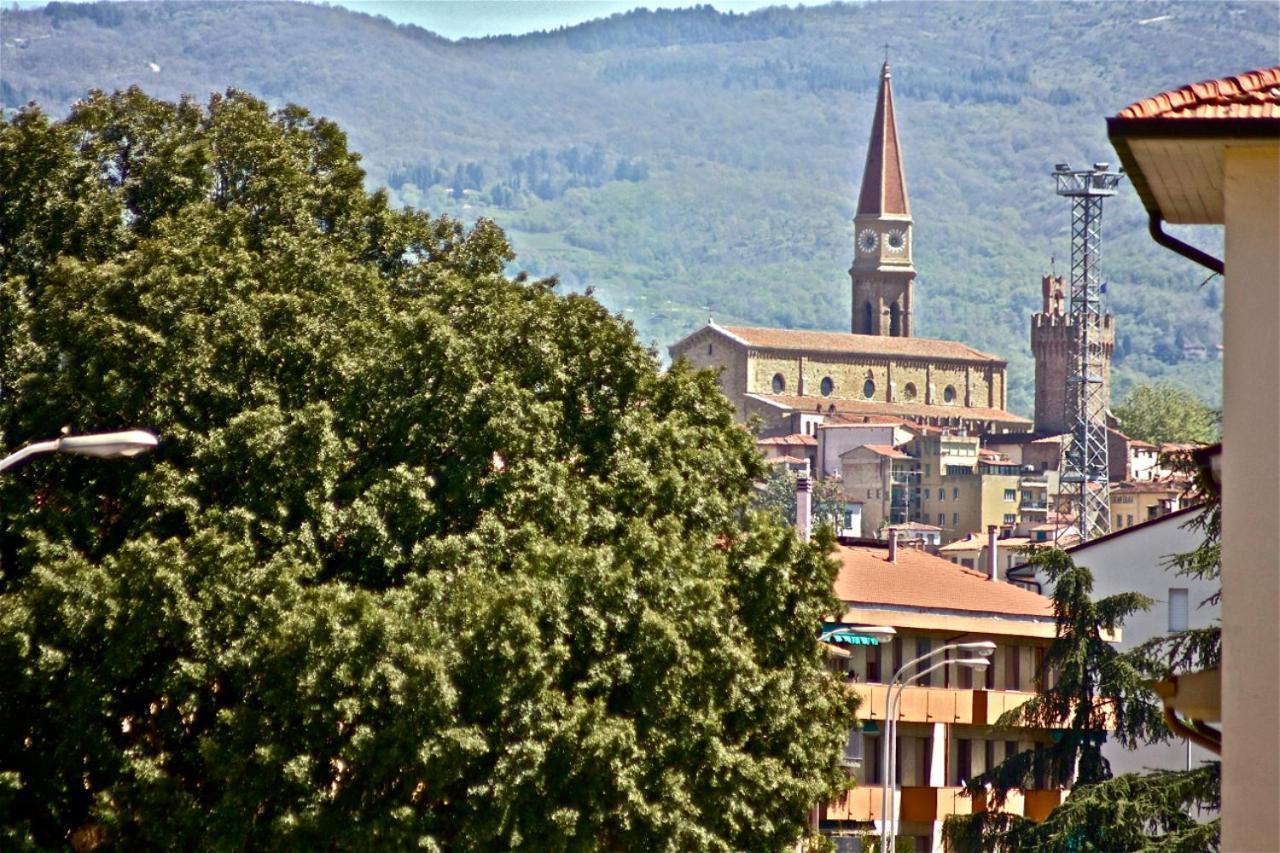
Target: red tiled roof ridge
828, 406
1251, 94
922, 580
766, 337
793, 438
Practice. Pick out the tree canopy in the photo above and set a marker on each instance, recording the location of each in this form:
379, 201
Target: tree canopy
427, 557
1162, 412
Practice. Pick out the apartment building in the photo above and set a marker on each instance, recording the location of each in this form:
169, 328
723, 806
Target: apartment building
1136, 501
943, 479
946, 731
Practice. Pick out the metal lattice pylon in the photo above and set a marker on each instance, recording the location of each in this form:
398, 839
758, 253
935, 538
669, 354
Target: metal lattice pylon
1085, 466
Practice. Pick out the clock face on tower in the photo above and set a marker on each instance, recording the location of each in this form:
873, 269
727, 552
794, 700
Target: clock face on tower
867, 241
895, 241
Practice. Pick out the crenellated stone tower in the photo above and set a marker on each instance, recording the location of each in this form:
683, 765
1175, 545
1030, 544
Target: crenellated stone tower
1051, 337
882, 271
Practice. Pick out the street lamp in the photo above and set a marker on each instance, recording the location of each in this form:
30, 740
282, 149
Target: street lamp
980, 651
106, 445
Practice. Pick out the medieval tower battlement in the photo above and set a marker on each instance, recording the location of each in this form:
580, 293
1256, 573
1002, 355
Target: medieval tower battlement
1052, 334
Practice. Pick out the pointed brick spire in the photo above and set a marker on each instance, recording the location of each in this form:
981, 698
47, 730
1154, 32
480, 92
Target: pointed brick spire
884, 186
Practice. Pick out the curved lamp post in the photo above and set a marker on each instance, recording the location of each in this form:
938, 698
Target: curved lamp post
106, 445
980, 651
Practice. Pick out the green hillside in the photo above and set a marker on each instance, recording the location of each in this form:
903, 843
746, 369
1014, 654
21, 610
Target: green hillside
687, 164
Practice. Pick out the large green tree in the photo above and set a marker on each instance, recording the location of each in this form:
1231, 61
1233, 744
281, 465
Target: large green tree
1166, 413
427, 557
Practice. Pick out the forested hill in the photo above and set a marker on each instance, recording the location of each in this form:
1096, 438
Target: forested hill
690, 163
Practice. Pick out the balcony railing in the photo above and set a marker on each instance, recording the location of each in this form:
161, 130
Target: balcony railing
918, 803
941, 704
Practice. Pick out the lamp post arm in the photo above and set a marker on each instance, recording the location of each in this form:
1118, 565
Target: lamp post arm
889, 760
28, 451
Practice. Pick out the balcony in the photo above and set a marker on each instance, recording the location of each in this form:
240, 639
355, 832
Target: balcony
941, 704
929, 804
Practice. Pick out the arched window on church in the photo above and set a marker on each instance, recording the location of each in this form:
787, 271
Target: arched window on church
895, 320
868, 315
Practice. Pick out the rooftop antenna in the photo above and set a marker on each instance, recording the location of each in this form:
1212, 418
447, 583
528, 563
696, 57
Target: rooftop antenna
1085, 469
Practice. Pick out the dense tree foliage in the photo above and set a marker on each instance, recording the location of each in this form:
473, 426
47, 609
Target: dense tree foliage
751, 130
776, 495
1162, 412
427, 557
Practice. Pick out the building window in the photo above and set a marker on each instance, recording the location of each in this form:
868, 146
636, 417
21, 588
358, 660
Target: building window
1010, 495
923, 645
1010, 518
949, 394
909, 391
710, 349
955, 519
779, 383
955, 493
1178, 616
926, 469
964, 761
826, 386
942, 493
1119, 520
868, 389
1012, 667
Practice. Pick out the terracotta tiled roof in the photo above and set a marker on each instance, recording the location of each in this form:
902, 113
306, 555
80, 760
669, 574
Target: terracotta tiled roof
828, 406
1153, 486
844, 342
916, 525
846, 421
1253, 94
884, 185
786, 460
978, 540
919, 580
880, 450
794, 438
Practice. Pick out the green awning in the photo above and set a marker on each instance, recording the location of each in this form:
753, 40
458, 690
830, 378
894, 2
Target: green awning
833, 633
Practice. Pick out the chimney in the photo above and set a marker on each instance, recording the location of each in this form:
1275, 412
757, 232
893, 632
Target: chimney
893, 544
992, 553
804, 521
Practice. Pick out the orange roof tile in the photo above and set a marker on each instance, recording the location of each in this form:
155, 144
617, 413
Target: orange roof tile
880, 450
844, 342
919, 580
828, 406
1253, 94
794, 438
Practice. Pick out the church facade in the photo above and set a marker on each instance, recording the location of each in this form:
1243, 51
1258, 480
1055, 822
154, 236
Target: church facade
794, 379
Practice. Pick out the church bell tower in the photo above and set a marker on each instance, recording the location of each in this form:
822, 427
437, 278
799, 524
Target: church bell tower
882, 271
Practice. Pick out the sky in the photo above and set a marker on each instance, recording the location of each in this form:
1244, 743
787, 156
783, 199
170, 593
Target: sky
456, 19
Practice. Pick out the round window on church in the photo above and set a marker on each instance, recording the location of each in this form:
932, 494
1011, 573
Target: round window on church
779, 384
949, 394
868, 389
909, 391
827, 386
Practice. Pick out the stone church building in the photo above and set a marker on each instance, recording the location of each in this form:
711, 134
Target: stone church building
795, 379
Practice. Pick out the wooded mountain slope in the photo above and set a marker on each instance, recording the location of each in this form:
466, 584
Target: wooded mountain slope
689, 163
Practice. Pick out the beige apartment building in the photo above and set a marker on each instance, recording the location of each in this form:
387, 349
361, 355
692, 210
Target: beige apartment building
946, 731
1209, 153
